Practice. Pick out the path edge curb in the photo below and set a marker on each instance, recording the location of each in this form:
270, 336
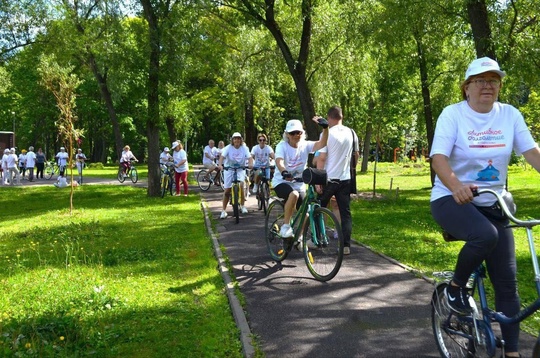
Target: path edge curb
234, 302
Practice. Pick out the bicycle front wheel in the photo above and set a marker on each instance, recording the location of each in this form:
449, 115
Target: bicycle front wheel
277, 246
236, 201
456, 335
134, 175
265, 190
324, 254
203, 179
164, 184
49, 171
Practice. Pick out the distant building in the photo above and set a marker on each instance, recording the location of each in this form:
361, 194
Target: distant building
7, 140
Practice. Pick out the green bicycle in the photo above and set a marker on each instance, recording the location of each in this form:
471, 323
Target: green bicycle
315, 227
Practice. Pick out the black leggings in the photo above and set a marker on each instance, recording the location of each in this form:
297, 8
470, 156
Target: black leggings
485, 239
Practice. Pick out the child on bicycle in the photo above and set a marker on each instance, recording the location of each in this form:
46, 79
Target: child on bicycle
261, 153
291, 160
234, 154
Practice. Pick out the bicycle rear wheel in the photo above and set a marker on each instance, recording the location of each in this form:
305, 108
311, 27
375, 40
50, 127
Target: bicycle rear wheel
455, 335
277, 246
134, 175
203, 179
324, 261
120, 175
235, 192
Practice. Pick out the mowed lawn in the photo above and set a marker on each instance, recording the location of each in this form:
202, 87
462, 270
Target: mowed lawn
123, 275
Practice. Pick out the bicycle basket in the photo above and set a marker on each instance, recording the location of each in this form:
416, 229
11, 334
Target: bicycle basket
314, 176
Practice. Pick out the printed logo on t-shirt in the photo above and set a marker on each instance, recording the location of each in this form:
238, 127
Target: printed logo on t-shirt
489, 173
490, 138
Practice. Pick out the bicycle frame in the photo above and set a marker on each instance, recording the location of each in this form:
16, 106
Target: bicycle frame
483, 316
309, 204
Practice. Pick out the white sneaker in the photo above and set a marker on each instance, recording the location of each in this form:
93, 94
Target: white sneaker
244, 210
346, 250
286, 231
223, 214
255, 188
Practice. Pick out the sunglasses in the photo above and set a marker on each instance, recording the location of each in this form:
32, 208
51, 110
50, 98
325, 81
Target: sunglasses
295, 133
262, 140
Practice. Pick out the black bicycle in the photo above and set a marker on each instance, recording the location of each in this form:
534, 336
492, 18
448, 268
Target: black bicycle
263, 189
167, 178
472, 335
205, 179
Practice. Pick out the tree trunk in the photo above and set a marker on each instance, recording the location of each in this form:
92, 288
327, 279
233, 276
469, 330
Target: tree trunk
152, 122
251, 130
481, 30
426, 97
367, 140
169, 122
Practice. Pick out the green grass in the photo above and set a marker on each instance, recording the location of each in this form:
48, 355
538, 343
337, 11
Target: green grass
123, 276
399, 224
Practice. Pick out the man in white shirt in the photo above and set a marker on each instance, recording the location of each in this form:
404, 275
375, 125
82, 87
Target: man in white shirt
335, 158
30, 163
62, 158
209, 160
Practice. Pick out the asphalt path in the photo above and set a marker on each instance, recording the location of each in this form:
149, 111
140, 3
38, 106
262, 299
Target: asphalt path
374, 307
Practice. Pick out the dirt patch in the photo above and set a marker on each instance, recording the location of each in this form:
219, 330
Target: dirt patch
367, 195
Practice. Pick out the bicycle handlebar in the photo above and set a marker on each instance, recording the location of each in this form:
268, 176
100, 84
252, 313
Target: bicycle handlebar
506, 210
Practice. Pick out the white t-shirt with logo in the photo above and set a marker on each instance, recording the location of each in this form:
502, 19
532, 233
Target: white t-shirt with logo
235, 157
479, 146
261, 156
294, 160
178, 156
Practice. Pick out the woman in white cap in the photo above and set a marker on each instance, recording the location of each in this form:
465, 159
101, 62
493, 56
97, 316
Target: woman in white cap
234, 154
471, 149
291, 160
165, 156
180, 167
62, 158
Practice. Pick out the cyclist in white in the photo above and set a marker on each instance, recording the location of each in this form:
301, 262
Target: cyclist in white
165, 156
209, 160
62, 157
261, 153
125, 159
235, 154
80, 158
291, 160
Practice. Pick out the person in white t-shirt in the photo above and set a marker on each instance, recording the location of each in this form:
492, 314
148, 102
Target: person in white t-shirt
291, 159
62, 157
5, 172
22, 164
262, 154
11, 162
180, 167
125, 159
30, 163
234, 155
335, 158
209, 160
472, 146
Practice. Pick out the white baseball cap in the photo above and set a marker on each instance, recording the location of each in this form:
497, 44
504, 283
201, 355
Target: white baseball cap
481, 65
236, 134
294, 125
174, 144
166, 149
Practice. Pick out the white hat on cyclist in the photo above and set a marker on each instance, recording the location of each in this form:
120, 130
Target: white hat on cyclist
294, 125
174, 144
236, 135
166, 149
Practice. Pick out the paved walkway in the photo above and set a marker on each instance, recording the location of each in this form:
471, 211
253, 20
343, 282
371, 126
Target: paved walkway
374, 307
